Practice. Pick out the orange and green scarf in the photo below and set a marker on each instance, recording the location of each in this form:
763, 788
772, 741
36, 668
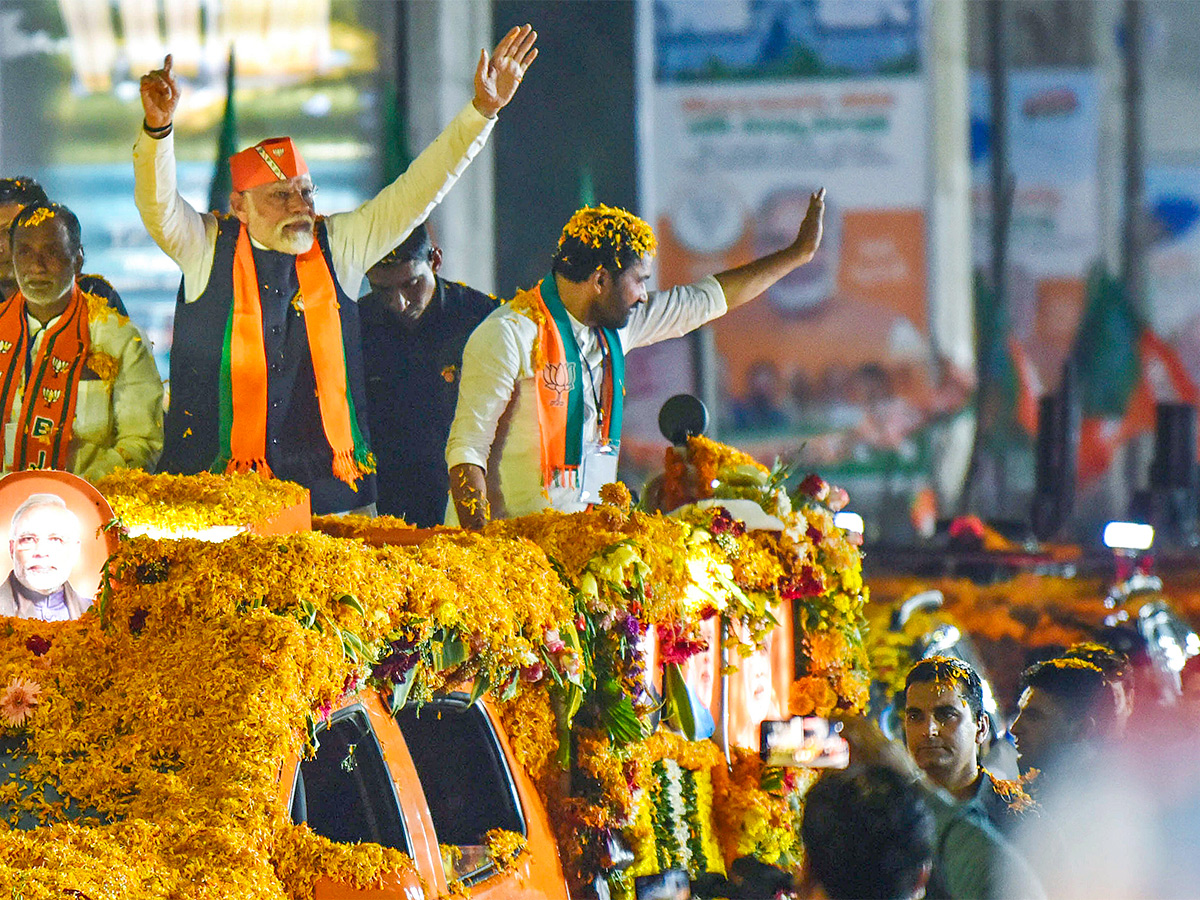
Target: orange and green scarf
48, 403
560, 388
243, 381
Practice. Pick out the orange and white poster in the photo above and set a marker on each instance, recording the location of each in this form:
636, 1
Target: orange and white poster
753, 109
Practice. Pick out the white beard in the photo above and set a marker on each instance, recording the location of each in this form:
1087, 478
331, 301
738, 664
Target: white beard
294, 242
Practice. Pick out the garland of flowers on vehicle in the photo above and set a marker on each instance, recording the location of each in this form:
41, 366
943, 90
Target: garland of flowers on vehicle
548, 613
811, 561
628, 573
186, 687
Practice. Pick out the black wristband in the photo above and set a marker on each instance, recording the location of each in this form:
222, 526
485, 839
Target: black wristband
157, 132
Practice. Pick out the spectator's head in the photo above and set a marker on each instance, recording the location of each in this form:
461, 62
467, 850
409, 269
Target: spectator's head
1065, 705
1117, 672
15, 194
44, 543
867, 834
801, 388
871, 384
606, 252
273, 195
405, 280
47, 254
944, 722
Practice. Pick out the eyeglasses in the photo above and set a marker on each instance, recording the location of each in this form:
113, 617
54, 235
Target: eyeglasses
281, 195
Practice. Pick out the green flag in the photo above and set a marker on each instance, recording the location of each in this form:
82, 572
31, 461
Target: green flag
395, 157
222, 181
587, 189
1107, 348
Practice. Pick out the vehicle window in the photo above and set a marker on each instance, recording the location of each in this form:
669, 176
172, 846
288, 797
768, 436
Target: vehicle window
345, 792
14, 759
466, 781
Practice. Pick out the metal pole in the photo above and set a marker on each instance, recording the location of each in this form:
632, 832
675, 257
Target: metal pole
1002, 199
1132, 263
1133, 269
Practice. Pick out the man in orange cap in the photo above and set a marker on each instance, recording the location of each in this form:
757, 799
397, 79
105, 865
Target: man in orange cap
266, 365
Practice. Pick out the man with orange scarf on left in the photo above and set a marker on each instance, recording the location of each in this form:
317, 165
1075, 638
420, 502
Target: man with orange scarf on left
78, 384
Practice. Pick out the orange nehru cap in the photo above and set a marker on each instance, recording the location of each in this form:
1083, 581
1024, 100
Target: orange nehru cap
275, 159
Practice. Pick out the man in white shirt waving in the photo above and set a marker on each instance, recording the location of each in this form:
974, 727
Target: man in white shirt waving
266, 364
538, 421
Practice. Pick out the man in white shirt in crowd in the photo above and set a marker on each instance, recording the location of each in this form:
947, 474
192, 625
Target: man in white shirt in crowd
266, 364
539, 412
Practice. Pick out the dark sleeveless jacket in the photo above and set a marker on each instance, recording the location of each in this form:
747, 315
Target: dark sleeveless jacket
297, 449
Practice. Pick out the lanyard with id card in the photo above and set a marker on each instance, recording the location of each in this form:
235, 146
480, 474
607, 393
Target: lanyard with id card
597, 468
598, 461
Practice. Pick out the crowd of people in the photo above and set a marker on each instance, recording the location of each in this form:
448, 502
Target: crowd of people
1106, 802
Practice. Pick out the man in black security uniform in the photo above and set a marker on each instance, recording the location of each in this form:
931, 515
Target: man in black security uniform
414, 327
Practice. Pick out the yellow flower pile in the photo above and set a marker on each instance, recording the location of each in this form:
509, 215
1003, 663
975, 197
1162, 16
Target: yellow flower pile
173, 503
377, 530
164, 714
168, 712
165, 719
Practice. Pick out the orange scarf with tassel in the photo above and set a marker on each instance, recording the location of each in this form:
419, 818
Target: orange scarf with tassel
52, 388
244, 369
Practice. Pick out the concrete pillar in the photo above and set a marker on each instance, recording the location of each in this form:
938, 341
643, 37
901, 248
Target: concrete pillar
951, 303
442, 43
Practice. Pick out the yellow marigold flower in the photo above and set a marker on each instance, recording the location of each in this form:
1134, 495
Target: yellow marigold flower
105, 365
603, 226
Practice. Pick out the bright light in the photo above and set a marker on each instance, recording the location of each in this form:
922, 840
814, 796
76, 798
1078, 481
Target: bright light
848, 521
1128, 536
214, 534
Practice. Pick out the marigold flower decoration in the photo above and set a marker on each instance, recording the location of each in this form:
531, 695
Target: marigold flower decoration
610, 227
105, 365
19, 701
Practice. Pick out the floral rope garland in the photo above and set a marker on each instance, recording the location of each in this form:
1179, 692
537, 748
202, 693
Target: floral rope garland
201, 662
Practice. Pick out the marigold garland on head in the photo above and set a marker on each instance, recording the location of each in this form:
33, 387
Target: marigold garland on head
602, 236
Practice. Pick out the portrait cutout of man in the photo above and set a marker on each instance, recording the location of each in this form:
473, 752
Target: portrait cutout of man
50, 523
44, 541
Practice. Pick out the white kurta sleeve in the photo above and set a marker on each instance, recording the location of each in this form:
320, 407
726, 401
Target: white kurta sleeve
359, 239
185, 235
675, 312
494, 359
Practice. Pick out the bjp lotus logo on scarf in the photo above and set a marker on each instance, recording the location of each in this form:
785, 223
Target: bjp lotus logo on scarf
51, 396
558, 377
5, 346
59, 364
